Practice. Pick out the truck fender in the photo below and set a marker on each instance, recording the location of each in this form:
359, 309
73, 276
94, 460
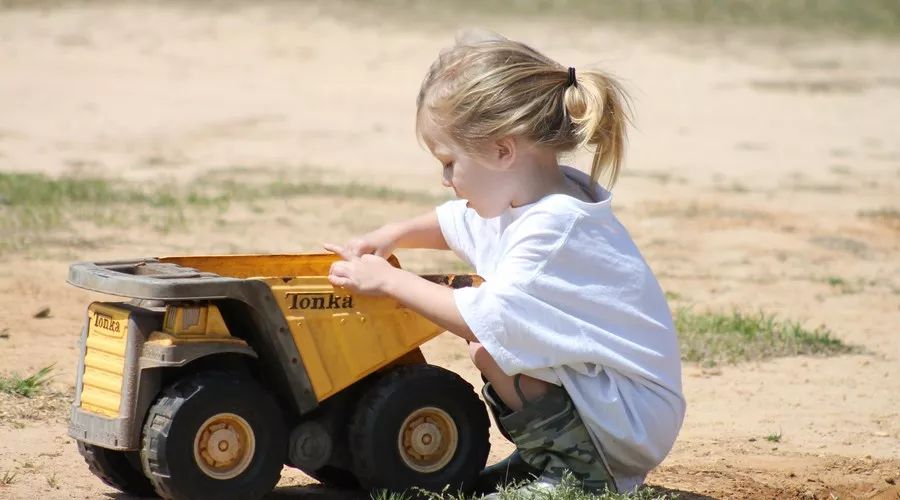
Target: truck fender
162, 356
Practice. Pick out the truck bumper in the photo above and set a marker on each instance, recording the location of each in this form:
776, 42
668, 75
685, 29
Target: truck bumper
112, 433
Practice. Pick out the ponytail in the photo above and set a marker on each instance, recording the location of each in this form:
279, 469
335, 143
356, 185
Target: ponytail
597, 106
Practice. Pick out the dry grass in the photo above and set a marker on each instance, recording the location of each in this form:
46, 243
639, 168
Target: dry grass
9, 477
48, 406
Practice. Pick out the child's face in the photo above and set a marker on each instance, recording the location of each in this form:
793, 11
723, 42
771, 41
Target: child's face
484, 183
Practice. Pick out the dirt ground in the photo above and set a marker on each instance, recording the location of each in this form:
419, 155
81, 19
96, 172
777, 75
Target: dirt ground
763, 174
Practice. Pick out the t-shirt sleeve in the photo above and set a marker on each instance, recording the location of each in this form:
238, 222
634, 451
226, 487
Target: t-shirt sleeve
458, 228
509, 317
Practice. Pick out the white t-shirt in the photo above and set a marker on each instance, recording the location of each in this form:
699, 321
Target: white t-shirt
568, 299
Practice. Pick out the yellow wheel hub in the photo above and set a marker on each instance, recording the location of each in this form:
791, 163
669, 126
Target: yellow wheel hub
224, 446
428, 439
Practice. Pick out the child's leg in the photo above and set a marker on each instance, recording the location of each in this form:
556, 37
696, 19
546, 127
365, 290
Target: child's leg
502, 383
542, 421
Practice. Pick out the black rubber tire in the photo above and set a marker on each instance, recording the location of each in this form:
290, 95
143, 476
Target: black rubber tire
118, 469
335, 477
167, 454
375, 428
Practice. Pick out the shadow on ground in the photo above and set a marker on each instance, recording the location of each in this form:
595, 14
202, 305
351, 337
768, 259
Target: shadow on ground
681, 494
311, 491
317, 492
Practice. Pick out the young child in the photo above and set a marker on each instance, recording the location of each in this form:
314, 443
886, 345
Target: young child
570, 329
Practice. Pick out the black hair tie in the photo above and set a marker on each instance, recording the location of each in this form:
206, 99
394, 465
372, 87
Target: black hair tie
571, 81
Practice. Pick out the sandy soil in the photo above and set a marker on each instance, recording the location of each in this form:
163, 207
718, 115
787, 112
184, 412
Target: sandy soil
757, 168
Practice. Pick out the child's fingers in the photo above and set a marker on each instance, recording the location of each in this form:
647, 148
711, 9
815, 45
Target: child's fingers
358, 247
339, 250
340, 281
339, 269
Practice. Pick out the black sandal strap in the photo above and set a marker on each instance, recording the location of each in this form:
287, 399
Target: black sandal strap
516, 378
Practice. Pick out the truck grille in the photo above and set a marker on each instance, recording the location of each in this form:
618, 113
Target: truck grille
104, 360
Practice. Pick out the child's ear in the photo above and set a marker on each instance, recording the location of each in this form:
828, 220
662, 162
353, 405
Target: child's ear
505, 149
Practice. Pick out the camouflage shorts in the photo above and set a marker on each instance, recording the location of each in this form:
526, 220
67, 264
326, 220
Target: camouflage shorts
551, 437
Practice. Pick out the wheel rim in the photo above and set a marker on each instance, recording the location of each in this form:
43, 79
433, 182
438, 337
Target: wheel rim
428, 439
224, 446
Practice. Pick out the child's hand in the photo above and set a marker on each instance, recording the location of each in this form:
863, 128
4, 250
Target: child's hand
379, 242
366, 274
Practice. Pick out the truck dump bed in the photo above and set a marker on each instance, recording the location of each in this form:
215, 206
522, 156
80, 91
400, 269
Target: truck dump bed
285, 307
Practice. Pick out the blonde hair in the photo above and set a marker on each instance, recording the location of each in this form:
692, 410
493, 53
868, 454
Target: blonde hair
477, 91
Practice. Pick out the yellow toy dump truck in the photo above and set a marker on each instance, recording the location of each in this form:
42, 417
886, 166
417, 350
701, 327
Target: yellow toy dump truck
222, 369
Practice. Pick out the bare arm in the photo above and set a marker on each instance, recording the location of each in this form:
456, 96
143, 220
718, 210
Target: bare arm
370, 274
431, 300
423, 231
365, 273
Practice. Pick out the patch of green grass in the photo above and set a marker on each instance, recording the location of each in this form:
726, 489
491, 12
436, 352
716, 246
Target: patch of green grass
842, 285
819, 188
662, 177
568, 489
34, 205
864, 16
733, 187
231, 191
774, 438
887, 216
37, 191
19, 189
840, 169
28, 386
713, 338
836, 281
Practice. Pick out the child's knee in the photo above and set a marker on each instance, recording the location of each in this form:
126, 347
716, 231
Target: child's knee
474, 347
481, 357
